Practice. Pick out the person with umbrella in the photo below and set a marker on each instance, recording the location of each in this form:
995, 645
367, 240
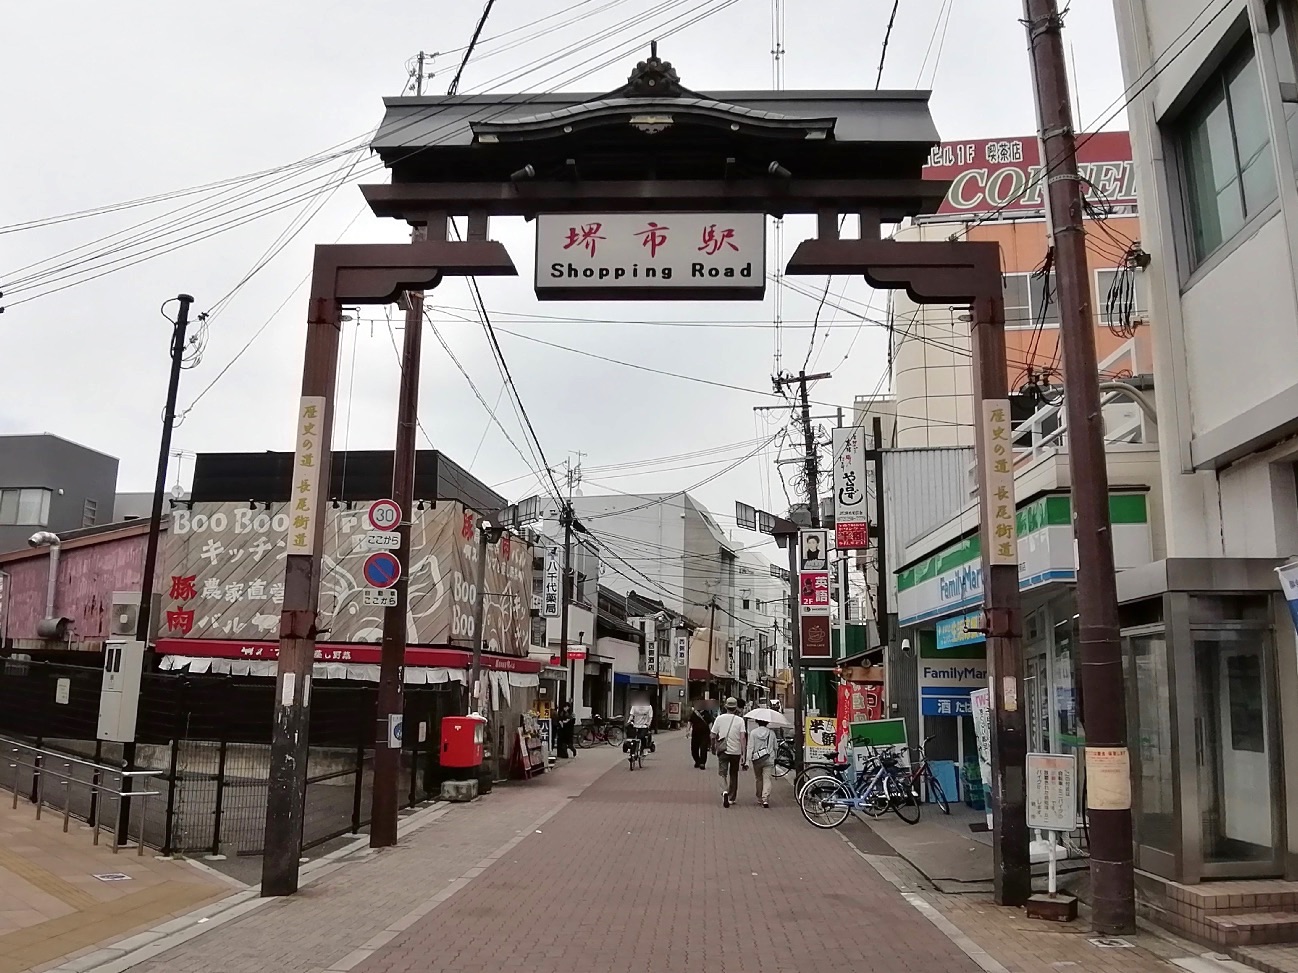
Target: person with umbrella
761, 750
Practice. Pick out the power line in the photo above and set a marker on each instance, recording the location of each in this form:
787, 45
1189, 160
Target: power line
887, 36
468, 51
661, 29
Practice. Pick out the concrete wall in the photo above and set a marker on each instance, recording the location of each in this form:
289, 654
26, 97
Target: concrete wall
1222, 397
73, 474
932, 352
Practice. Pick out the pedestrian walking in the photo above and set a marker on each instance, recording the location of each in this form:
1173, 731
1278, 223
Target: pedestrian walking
700, 735
729, 739
761, 754
567, 724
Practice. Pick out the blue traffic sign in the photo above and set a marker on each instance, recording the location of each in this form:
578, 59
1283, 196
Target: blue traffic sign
381, 570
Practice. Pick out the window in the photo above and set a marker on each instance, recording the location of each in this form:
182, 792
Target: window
1226, 161
746, 604
89, 513
29, 507
1282, 20
1031, 299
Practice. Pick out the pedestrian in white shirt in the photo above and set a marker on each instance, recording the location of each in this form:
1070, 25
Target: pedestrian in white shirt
730, 740
642, 718
761, 754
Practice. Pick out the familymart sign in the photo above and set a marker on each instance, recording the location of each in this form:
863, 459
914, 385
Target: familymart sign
951, 579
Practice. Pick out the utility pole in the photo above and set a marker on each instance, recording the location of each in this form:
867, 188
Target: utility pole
565, 599
712, 632
390, 698
812, 458
419, 78
880, 535
487, 535
143, 619
790, 539
1103, 694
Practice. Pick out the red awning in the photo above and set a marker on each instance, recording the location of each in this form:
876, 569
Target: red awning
359, 653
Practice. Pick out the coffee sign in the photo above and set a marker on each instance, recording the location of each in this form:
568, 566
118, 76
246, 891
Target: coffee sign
1004, 176
650, 256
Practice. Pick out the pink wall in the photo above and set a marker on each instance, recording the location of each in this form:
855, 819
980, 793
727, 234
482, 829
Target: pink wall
88, 576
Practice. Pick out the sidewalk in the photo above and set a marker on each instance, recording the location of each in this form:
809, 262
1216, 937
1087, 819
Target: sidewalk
960, 902
60, 895
594, 867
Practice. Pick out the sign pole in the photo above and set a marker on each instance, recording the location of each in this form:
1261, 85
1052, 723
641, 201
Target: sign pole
391, 702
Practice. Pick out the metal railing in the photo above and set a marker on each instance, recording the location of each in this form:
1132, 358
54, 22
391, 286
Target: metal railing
43, 763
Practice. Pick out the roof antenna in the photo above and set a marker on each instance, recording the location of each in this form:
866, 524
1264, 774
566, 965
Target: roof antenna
653, 49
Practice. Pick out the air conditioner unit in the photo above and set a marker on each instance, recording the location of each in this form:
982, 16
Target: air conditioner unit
126, 615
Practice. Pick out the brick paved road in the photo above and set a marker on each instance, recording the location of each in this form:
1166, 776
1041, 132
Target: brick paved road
646, 871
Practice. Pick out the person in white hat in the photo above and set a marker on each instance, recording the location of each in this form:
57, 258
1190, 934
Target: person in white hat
730, 741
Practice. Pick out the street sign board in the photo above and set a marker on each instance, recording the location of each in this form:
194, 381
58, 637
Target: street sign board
395, 721
650, 256
1052, 791
851, 509
384, 515
381, 570
815, 644
379, 597
813, 550
550, 595
813, 592
380, 540
519, 515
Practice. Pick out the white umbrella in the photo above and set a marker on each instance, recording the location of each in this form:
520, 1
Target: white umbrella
767, 716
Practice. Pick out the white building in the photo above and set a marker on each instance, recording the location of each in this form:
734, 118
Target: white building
1212, 679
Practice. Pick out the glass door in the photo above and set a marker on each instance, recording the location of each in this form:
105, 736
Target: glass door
1235, 751
1036, 693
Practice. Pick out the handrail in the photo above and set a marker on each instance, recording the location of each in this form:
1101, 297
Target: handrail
98, 790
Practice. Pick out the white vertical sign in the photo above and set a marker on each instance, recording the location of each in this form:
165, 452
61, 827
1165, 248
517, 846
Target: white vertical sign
651, 659
307, 454
997, 461
551, 597
1052, 792
851, 511
682, 649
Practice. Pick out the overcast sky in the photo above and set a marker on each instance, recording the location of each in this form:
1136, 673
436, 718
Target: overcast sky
112, 102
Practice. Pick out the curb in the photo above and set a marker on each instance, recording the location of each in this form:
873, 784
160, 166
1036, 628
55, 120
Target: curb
126, 953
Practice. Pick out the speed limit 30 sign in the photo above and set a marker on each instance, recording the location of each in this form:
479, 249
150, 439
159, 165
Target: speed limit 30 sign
385, 515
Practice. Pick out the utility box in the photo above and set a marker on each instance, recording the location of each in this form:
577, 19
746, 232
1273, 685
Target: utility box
119, 694
463, 741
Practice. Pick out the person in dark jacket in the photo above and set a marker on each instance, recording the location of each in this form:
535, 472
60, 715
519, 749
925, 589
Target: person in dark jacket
700, 734
566, 726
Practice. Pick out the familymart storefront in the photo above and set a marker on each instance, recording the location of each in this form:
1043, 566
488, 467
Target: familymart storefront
939, 600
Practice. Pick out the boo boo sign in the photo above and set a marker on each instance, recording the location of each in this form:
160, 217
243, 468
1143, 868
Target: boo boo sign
650, 256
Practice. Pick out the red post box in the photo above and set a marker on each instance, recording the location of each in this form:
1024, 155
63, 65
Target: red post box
462, 741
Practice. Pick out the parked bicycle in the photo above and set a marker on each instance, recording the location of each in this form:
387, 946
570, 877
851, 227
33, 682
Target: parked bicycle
827, 801
921, 774
600, 730
785, 758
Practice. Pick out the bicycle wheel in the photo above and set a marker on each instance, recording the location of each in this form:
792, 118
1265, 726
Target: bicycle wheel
935, 792
614, 737
587, 737
825, 802
812, 772
902, 799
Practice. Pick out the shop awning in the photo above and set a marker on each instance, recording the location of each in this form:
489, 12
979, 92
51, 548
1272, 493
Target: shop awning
633, 679
670, 681
356, 654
